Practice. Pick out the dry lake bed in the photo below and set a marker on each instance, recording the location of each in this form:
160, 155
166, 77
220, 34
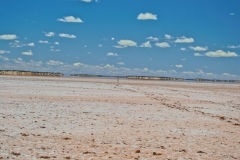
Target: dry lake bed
95, 118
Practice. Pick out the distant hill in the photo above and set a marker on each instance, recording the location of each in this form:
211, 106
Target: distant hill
29, 73
156, 78
52, 74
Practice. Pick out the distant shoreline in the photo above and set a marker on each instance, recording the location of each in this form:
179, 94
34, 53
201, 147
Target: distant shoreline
130, 77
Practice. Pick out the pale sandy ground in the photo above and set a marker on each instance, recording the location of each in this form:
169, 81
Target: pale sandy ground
90, 118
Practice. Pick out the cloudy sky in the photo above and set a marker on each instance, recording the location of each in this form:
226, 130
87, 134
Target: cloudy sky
186, 38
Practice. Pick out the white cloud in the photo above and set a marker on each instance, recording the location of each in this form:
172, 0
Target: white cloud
228, 75
234, 47
112, 38
106, 70
112, 54
146, 44
188, 72
8, 37
162, 45
183, 49
67, 35
151, 38
119, 46
87, 1
4, 58
18, 60
18, 44
4, 52
41, 41
54, 63
198, 48
179, 66
49, 34
109, 66
100, 45
27, 53
56, 43
167, 36
70, 19
55, 50
202, 74
183, 59
31, 44
198, 54
121, 63
19, 64
221, 53
147, 16
78, 64
184, 39
232, 14
15, 44
145, 69
126, 43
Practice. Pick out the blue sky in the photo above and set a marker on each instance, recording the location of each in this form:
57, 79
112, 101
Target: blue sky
186, 38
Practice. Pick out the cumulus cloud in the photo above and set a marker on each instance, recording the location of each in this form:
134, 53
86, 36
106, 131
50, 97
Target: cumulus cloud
18, 60
232, 14
55, 50
167, 36
64, 35
54, 63
78, 64
221, 53
162, 45
49, 34
4, 58
70, 19
121, 63
146, 45
31, 44
183, 49
126, 43
27, 53
151, 38
198, 48
107, 69
229, 76
200, 73
184, 39
198, 54
15, 44
112, 54
88, 1
18, 44
179, 65
20, 64
8, 37
234, 47
4, 52
56, 43
145, 69
109, 66
41, 41
147, 16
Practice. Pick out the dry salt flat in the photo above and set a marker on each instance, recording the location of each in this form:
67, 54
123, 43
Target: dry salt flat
95, 118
